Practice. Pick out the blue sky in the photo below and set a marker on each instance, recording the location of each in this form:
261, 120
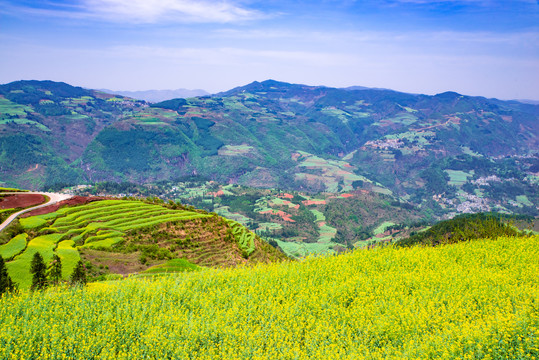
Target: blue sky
475, 47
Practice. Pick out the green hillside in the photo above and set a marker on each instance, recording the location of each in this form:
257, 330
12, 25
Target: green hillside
299, 223
465, 228
125, 237
449, 153
472, 300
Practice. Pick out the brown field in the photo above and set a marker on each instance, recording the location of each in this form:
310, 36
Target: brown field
21, 201
76, 200
282, 214
314, 202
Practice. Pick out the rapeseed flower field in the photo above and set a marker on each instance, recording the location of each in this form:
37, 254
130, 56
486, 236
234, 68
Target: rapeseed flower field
472, 300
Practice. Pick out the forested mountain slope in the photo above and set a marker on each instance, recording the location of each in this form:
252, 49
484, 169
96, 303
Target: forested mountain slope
447, 152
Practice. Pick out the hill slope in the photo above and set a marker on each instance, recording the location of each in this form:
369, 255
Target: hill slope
124, 237
466, 300
447, 152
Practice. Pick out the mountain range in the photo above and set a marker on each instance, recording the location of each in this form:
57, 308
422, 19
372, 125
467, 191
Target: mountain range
447, 152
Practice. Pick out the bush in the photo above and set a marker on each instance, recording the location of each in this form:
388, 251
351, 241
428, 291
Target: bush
78, 278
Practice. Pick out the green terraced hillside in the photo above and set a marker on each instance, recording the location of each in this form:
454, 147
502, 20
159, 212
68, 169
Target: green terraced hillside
123, 236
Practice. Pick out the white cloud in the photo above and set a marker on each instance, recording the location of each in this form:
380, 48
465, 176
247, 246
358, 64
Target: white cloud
143, 11
151, 11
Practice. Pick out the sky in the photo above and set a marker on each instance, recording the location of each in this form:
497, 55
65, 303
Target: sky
474, 47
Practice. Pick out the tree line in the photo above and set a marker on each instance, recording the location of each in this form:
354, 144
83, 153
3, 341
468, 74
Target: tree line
42, 275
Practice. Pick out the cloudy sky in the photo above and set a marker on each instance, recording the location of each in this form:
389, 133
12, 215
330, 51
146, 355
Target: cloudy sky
475, 47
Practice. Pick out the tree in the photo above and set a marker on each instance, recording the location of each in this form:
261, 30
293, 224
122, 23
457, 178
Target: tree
79, 275
55, 270
6, 285
38, 270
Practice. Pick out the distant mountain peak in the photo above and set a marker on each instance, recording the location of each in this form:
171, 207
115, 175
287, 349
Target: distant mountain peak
155, 96
448, 95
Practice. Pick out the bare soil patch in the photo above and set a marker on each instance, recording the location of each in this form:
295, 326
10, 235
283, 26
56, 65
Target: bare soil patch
75, 200
21, 201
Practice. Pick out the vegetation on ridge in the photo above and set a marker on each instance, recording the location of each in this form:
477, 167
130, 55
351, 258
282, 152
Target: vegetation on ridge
463, 228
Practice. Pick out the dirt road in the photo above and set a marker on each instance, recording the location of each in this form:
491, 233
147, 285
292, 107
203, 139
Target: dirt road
53, 199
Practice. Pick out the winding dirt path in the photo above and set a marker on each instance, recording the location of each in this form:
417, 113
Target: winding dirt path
53, 199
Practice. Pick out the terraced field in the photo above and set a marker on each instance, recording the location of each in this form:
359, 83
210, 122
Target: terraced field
19, 268
131, 236
102, 223
98, 225
245, 238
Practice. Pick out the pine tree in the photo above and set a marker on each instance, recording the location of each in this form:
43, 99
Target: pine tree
55, 270
38, 270
79, 275
6, 285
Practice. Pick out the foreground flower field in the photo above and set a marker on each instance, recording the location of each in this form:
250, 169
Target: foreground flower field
475, 300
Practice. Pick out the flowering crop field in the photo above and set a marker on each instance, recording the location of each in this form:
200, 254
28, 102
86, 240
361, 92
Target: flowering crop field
472, 300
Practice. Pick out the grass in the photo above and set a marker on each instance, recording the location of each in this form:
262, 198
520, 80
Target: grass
174, 265
14, 246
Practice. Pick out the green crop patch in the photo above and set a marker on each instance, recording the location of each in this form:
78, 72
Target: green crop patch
24, 122
523, 199
244, 237
103, 244
14, 246
19, 268
4, 189
173, 266
102, 235
8, 108
69, 256
382, 227
32, 222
